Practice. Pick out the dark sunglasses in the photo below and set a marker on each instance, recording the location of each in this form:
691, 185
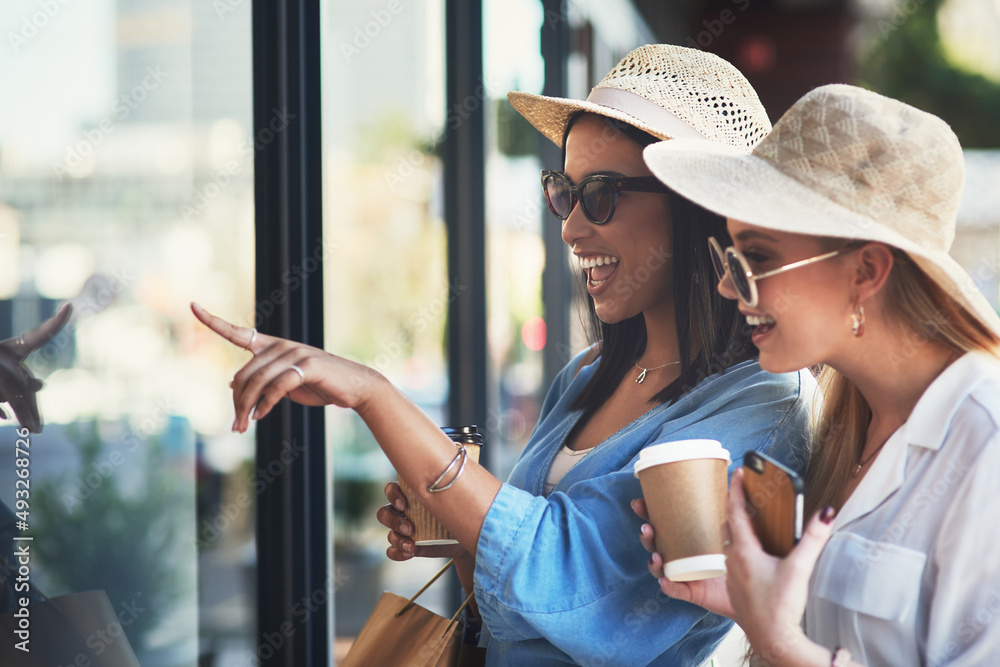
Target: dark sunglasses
597, 194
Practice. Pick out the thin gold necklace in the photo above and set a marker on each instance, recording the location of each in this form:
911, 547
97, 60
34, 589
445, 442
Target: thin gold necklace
642, 375
859, 466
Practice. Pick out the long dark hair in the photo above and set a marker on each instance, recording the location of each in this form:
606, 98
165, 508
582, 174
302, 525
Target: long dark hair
703, 317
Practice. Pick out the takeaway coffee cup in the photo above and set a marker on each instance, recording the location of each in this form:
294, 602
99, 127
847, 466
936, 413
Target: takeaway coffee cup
684, 484
426, 529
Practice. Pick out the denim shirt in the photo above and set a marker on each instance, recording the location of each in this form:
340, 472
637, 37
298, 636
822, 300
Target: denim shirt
562, 579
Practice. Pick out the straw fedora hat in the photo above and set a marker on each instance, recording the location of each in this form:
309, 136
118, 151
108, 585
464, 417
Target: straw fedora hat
843, 162
668, 91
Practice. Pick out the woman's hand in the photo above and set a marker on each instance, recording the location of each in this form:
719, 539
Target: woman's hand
769, 594
708, 593
281, 368
401, 545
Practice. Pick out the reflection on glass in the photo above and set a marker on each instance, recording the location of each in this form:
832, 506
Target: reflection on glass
126, 190
386, 289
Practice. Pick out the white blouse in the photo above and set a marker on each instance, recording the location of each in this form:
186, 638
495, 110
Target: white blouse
911, 575
565, 459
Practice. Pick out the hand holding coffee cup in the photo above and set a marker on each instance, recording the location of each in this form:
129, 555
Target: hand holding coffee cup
427, 530
684, 484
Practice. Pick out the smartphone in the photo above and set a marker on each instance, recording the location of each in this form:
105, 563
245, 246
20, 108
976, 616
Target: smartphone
774, 498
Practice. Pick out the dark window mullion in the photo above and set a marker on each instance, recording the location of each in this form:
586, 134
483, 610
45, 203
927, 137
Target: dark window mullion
292, 538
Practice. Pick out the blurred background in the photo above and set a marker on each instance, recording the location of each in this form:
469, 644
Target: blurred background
127, 143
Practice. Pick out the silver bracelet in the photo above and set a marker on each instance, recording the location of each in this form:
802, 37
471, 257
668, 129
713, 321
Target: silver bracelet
463, 456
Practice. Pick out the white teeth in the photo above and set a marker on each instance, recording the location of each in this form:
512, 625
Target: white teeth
591, 262
755, 320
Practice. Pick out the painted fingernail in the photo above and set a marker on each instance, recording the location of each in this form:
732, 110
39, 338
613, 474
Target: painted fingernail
828, 514
646, 530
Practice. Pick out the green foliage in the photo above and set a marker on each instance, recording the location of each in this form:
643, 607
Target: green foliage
908, 63
109, 540
516, 137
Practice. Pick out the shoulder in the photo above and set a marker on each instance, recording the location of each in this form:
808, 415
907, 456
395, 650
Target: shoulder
748, 382
963, 402
587, 357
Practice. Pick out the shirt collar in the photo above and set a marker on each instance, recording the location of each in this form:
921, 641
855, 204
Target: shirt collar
932, 415
926, 427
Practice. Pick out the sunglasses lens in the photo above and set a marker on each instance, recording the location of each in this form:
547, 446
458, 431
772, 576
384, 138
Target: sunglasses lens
558, 195
598, 201
739, 277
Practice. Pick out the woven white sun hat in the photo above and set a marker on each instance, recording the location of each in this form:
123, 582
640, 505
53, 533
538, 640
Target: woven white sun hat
666, 90
842, 162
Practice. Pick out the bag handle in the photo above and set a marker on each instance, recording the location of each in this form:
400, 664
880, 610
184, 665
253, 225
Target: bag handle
411, 601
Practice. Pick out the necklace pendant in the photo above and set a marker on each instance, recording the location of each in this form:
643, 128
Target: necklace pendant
642, 376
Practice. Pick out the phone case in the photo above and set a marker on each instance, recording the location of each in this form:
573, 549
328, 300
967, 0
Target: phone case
774, 501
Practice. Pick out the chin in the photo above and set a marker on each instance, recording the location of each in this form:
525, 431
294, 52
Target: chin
610, 313
772, 364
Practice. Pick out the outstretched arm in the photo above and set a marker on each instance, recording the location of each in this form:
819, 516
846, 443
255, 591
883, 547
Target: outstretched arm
414, 444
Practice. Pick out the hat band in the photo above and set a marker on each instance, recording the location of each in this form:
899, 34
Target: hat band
649, 113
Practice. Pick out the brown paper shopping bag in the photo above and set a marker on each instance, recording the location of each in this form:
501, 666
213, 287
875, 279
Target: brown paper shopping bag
401, 632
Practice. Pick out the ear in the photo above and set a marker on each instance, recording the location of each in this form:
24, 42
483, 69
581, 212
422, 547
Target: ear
874, 262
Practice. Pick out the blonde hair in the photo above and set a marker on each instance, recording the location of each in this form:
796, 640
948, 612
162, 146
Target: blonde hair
926, 315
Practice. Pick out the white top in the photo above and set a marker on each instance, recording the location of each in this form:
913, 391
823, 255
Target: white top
911, 575
565, 459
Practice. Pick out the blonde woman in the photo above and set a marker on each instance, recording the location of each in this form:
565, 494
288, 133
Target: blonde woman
841, 221
551, 555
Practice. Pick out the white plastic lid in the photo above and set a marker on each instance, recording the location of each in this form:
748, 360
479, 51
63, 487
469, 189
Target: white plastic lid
695, 567
680, 450
434, 542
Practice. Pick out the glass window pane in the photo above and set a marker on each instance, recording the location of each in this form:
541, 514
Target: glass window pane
386, 288
126, 189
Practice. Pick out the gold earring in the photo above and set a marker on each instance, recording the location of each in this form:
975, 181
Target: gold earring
858, 321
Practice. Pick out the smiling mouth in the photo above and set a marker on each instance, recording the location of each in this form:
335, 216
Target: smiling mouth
761, 324
599, 269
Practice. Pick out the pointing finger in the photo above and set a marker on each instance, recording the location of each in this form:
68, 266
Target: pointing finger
248, 339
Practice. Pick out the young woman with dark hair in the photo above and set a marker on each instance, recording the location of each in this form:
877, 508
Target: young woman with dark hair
558, 575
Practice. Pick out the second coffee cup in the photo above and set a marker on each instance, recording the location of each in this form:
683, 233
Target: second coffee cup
685, 484
427, 530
